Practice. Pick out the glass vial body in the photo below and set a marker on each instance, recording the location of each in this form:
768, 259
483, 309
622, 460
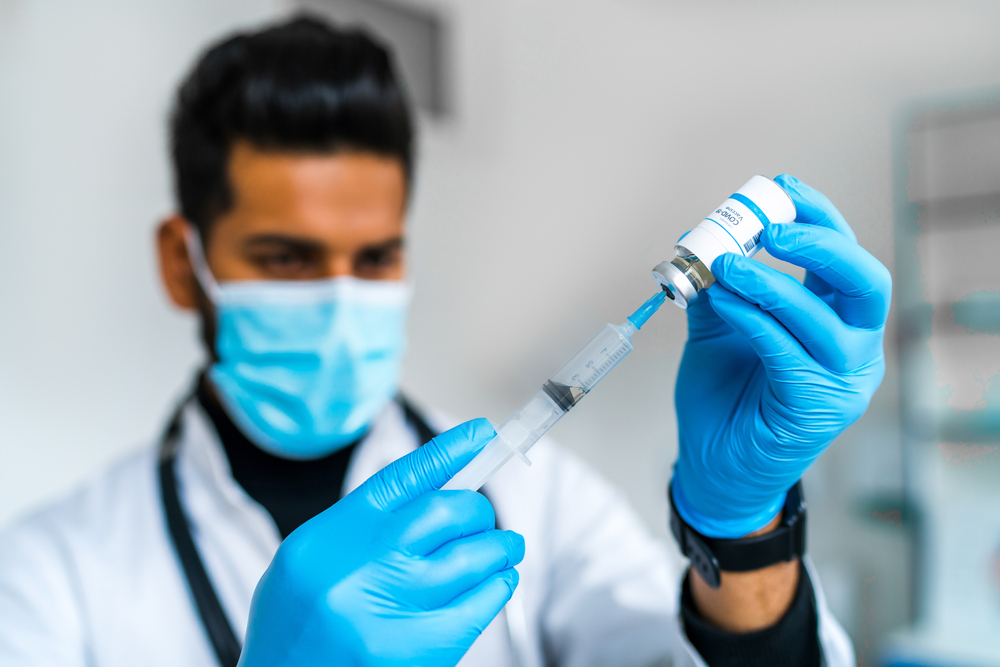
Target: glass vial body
737, 226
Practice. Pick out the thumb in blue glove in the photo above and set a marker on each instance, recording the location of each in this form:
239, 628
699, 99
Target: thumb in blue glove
396, 573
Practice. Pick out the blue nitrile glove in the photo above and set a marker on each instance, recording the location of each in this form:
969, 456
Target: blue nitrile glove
396, 573
774, 370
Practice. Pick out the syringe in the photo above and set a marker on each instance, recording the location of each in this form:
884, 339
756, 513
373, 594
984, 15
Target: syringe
564, 390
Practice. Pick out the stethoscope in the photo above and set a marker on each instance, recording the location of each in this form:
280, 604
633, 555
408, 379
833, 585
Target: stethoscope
213, 618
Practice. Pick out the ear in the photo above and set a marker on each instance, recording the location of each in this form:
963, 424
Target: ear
175, 264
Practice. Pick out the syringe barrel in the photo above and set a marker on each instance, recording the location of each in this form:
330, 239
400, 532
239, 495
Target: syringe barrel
540, 413
516, 435
594, 360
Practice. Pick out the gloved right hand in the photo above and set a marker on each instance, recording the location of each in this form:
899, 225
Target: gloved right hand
396, 573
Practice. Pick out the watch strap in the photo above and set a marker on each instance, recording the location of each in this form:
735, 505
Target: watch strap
710, 556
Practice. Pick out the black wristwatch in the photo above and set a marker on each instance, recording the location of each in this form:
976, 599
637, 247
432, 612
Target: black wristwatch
712, 555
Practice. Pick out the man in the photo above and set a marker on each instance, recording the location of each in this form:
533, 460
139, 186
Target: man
290, 502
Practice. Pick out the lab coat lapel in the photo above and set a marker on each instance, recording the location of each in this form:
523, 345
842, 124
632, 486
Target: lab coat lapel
235, 536
207, 482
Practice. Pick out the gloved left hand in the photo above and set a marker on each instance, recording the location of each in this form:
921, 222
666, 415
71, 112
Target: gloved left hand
396, 573
774, 369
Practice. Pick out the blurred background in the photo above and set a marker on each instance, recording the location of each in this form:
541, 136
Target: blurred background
564, 146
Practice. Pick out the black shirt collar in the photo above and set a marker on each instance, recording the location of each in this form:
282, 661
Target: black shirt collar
292, 491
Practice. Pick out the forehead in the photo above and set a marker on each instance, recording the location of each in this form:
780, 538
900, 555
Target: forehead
314, 193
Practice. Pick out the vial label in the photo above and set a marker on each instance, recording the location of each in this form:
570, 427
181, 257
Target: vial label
738, 223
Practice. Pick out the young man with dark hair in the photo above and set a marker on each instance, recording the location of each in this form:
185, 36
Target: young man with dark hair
289, 514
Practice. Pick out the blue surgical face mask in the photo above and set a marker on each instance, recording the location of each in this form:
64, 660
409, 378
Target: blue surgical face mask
304, 367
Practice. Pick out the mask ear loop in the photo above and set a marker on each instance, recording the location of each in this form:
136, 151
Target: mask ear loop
201, 271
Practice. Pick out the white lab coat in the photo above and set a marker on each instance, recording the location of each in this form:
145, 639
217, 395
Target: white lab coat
93, 581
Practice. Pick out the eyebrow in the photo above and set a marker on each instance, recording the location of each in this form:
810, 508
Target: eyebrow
308, 245
389, 244
297, 244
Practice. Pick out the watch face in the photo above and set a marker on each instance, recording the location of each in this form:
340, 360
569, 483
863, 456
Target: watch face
693, 547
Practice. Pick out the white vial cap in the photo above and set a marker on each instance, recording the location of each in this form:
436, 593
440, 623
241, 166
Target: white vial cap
770, 198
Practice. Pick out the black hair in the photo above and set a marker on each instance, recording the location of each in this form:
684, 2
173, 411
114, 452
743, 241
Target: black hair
300, 85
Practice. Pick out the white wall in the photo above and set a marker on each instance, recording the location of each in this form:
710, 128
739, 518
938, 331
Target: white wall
589, 135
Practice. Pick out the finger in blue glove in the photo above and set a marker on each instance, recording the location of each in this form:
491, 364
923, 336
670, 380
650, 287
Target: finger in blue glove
396, 573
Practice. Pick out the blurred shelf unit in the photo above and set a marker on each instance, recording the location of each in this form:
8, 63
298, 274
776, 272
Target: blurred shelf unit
947, 301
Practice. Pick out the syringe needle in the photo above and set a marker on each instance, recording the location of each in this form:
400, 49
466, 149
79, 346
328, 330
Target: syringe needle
646, 310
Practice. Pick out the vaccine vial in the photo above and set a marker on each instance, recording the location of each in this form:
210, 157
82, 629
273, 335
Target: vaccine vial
737, 225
